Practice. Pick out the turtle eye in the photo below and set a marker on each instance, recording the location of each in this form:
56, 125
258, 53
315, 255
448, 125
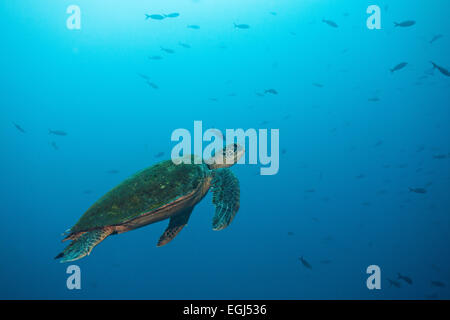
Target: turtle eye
235, 147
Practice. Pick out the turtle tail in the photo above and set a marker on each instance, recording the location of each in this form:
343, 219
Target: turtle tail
84, 244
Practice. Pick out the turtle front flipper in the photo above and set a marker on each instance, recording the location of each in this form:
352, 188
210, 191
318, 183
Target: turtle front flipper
84, 244
225, 187
176, 223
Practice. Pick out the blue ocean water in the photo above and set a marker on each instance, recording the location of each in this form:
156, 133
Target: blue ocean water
354, 137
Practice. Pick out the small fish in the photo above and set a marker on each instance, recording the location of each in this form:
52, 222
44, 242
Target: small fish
330, 23
407, 23
418, 190
290, 233
318, 85
378, 143
53, 144
193, 26
273, 13
153, 85
143, 76
57, 132
442, 70
259, 94
87, 191
113, 171
283, 151
154, 16
400, 66
374, 99
438, 284
167, 50
440, 156
19, 127
407, 279
172, 15
436, 37
360, 176
394, 283
272, 91
155, 58
159, 154
241, 26
326, 261
305, 263
184, 45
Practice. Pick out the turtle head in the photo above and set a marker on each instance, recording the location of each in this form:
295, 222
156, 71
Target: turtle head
227, 157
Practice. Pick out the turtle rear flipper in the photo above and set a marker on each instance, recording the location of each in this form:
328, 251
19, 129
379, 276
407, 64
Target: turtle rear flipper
84, 244
176, 223
225, 187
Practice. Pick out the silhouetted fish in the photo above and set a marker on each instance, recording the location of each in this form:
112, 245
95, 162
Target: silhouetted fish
374, 99
438, 284
241, 26
305, 263
53, 144
167, 50
143, 76
407, 279
159, 154
326, 261
18, 127
394, 283
153, 85
87, 191
193, 26
184, 45
407, 23
418, 190
290, 233
440, 156
442, 70
399, 66
154, 16
113, 171
330, 23
378, 143
155, 57
318, 85
57, 132
436, 37
172, 15
272, 91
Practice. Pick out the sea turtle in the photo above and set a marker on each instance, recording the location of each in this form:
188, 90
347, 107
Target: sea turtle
166, 190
